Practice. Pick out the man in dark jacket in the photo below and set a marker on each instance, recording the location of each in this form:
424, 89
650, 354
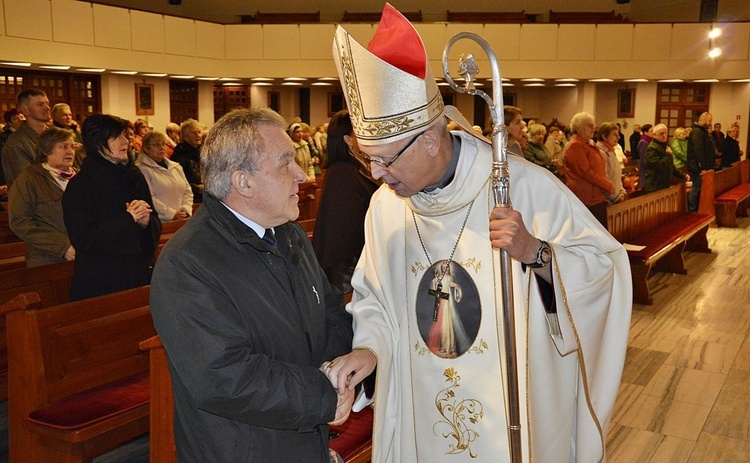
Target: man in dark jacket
701, 155
246, 314
730, 147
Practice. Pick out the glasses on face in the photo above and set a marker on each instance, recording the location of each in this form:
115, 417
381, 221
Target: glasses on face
385, 164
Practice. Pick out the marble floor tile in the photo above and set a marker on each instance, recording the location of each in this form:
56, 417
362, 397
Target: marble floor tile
630, 445
718, 449
665, 416
641, 365
702, 355
742, 361
731, 415
626, 396
685, 385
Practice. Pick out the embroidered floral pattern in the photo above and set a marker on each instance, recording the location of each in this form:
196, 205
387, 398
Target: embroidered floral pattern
421, 350
460, 416
472, 263
479, 349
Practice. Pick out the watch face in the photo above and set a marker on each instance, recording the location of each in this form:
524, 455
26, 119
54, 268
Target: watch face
546, 255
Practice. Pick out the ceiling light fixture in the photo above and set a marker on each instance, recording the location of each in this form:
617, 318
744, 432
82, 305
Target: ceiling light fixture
17, 64
182, 77
255, 79
322, 84
295, 79
91, 70
601, 80
54, 68
567, 79
125, 73
259, 84
155, 74
532, 79
635, 80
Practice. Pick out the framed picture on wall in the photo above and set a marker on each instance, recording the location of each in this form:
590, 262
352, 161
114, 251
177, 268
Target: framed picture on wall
509, 99
336, 103
274, 101
626, 103
144, 99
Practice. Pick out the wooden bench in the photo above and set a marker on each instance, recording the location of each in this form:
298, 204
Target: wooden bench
6, 234
12, 256
354, 441
659, 222
281, 18
586, 17
309, 200
78, 382
52, 285
729, 193
309, 226
374, 17
488, 17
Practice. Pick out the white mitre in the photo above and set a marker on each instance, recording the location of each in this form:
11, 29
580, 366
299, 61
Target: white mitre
389, 86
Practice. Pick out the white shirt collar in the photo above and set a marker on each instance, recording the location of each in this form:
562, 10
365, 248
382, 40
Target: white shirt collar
257, 228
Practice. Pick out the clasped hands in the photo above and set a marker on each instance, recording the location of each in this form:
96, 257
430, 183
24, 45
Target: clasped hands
140, 210
345, 373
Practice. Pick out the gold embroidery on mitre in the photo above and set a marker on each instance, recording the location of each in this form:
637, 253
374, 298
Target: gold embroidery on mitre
456, 412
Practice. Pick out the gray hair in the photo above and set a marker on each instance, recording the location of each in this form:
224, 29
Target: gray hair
59, 107
658, 127
172, 127
186, 125
578, 119
233, 144
537, 129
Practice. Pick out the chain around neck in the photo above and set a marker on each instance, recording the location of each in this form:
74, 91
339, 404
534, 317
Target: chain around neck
444, 268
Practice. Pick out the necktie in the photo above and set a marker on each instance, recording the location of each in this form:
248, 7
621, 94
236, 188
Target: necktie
269, 238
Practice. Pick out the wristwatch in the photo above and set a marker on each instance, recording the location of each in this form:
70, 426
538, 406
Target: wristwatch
543, 256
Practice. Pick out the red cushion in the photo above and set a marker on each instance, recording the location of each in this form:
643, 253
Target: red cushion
661, 237
354, 435
92, 406
736, 194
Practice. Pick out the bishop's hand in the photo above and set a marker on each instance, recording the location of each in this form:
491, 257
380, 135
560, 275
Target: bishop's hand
347, 371
508, 232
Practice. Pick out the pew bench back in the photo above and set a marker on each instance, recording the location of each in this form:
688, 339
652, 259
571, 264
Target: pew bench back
77, 376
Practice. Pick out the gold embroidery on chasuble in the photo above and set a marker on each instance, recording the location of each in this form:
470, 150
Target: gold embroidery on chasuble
460, 416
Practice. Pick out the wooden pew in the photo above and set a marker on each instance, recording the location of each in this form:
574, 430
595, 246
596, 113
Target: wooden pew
659, 221
6, 234
354, 441
730, 194
586, 17
12, 256
374, 17
281, 18
309, 226
78, 382
488, 17
309, 200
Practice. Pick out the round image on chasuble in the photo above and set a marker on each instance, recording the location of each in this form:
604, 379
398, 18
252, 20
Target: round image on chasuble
448, 309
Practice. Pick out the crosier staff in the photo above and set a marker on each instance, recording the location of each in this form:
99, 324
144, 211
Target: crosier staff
501, 194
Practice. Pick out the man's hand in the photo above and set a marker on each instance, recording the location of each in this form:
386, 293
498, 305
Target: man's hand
343, 408
347, 371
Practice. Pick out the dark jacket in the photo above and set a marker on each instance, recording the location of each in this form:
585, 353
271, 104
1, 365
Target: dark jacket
113, 252
189, 157
340, 225
635, 137
19, 152
246, 327
701, 152
659, 167
36, 216
730, 151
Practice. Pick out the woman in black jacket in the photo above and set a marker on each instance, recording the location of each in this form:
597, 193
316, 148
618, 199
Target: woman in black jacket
109, 214
340, 225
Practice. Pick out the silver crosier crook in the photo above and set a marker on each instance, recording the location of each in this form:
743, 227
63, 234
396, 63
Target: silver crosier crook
501, 194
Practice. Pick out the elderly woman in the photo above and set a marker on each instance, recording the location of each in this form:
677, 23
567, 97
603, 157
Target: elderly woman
302, 155
339, 227
36, 213
679, 148
607, 137
535, 151
170, 190
514, 125
585, 168
109, 214
187, 154
659, 163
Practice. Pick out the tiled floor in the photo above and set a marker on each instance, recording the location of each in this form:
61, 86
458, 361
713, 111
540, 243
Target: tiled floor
685, 390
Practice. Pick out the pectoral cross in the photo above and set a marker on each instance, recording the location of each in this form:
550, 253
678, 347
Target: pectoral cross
437, 294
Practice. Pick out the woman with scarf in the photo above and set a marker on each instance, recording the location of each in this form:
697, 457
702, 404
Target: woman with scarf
35, 200
109, 214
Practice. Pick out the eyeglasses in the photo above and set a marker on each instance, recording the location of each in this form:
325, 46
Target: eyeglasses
385, 164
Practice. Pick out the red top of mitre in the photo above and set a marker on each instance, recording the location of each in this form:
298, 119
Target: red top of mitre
396, 42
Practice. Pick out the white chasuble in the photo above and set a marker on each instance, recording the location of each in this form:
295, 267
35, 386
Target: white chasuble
435, 322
